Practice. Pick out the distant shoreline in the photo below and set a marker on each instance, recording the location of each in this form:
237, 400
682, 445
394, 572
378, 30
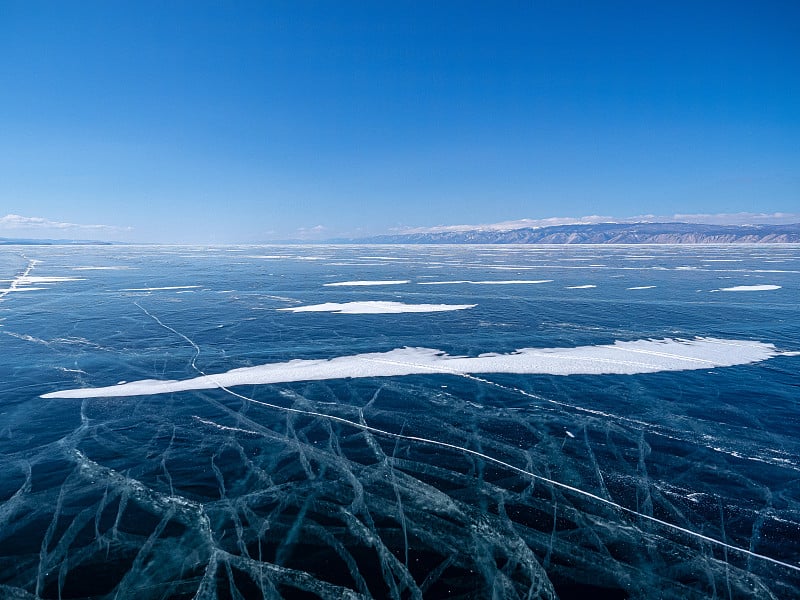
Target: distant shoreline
604, 233
556, 235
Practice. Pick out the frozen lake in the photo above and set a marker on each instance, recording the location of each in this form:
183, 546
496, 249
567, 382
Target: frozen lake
400, 422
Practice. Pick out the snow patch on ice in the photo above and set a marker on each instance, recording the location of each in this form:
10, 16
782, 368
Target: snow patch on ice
750, 288
23, 281
497, 282
28, 279
621, 358
382, 258
116, 268
366, 283
375, 307
154, 289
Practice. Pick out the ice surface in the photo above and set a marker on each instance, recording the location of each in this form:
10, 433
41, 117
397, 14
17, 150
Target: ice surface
375, 307
366, 283
621, 358
398, 471
24, 280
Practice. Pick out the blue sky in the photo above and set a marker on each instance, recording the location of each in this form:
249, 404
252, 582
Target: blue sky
248, 122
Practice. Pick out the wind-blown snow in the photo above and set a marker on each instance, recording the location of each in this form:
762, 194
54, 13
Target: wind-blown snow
155, 289
28, 279
366, 283
750, 288
375, 307
622, 358
23, 281
114, 268
490, 282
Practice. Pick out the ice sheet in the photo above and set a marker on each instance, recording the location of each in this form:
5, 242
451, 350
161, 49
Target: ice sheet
623, 358
453, 484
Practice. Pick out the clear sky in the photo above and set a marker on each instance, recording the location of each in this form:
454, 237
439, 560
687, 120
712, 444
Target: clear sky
254, 121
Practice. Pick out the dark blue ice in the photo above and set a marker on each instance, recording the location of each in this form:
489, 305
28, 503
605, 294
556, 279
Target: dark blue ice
674, 484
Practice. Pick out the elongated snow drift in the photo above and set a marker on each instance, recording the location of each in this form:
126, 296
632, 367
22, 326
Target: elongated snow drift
621, 358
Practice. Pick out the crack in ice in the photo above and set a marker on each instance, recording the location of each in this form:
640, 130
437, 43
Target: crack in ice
222, 382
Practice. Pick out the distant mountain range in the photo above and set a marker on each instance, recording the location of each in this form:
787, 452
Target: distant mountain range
601, 233
584, 233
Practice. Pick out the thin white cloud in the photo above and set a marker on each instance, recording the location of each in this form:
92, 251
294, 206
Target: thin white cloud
310, 233
12, 221
743, 218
